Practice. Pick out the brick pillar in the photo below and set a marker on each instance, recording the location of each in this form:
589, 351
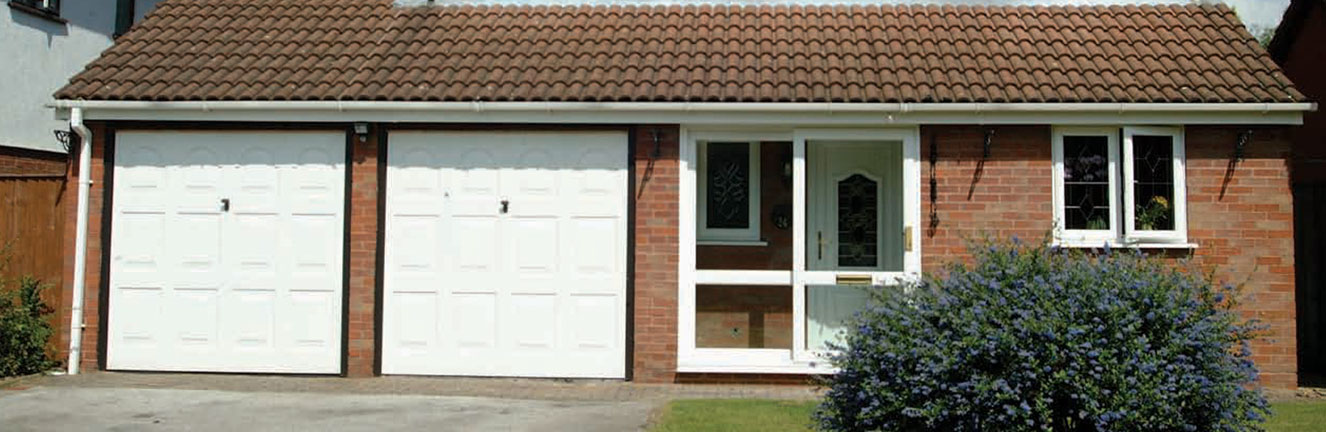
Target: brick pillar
363, 266
656, 219
92, 284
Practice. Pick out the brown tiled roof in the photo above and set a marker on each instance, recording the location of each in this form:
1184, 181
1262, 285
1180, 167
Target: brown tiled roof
371, 50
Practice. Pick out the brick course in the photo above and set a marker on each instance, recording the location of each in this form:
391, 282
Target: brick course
21, 161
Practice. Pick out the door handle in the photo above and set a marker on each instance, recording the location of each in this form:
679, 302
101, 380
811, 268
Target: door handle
225, 204
505, 206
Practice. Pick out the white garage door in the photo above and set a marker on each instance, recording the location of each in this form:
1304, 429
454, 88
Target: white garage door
226, 252
506, 254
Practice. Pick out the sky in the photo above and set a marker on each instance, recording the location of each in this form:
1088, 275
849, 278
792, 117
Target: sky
1257, 14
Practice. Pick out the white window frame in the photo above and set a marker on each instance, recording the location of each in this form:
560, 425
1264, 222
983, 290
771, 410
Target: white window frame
729, 236
797, 360
1122, 232
1084, 237
1179, 234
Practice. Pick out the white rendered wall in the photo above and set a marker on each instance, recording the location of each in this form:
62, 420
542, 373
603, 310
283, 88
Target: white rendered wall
38, 56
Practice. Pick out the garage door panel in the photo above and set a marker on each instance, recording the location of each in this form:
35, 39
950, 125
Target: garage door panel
145, 305
537, 326
586, 325
194, 249
313, 246
527, 225
474, 319
417, 317
142, 256
255, 287
418, 234
603, 259
308, 326
254, 329
256, 259
473, 244
534, 246
142, 188
193, 317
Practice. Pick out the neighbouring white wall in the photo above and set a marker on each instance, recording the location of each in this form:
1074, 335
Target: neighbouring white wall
142, 7
37, 57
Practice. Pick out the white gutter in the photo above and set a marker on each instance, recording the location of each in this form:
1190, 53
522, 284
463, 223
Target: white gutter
690, 107
80, 237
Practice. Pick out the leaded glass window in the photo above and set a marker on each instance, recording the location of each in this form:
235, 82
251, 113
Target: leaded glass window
1086, 182
1153, 182
858, 222
727, 191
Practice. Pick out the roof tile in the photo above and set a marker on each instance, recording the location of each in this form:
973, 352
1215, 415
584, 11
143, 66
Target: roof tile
371, 50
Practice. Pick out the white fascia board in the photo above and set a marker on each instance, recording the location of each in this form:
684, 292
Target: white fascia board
843, 114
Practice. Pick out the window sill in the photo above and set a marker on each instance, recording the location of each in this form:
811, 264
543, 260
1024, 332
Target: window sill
751, 243
38, 12
1124, 245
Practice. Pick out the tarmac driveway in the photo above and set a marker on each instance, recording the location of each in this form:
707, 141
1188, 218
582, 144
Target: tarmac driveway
48, 408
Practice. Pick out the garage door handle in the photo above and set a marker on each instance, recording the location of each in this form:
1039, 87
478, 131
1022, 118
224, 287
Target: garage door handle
225, 204
505, 205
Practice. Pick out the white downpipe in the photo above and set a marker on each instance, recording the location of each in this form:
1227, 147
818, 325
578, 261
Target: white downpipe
80, 237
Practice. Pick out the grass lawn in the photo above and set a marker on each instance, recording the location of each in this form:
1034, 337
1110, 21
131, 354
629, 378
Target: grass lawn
775, 416
1297, 416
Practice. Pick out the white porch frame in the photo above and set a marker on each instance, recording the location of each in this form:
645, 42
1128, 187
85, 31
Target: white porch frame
797, 360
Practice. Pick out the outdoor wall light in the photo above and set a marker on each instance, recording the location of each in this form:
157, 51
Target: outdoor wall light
1242, 143
361, 130
989, 139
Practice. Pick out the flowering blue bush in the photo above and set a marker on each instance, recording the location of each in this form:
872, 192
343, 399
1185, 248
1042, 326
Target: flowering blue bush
1036, 338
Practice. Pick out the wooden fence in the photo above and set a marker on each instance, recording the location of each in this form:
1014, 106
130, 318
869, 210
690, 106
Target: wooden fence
32, 229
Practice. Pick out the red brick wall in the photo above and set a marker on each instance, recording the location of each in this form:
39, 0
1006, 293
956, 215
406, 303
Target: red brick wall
363, 265
1004, 195
14, 160
1245, 234
654, 354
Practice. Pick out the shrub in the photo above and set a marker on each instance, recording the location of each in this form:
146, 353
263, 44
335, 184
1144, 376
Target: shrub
1039, 338
24, 329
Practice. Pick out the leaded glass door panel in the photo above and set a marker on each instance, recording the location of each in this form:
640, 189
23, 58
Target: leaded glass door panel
854, 206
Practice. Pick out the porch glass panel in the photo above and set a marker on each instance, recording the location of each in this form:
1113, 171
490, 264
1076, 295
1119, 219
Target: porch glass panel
772, 248
829, 312
729, 316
